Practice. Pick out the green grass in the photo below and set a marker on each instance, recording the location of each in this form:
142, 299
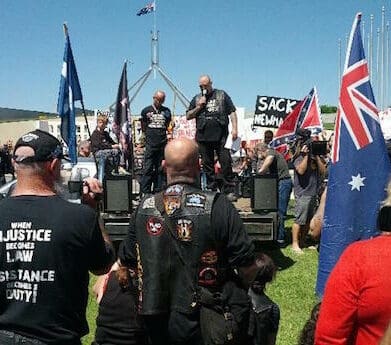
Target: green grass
293, 290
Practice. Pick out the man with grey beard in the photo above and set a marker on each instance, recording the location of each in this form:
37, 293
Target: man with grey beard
48, 246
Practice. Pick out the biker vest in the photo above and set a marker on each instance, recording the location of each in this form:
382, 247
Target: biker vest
176, 249
214, 109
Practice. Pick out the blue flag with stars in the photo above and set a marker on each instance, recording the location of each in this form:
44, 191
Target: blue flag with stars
69, 93
360, 167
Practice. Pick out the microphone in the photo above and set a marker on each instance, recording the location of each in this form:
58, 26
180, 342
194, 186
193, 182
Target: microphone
204, 92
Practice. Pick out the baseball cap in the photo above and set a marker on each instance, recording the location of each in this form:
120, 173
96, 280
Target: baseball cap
46, 147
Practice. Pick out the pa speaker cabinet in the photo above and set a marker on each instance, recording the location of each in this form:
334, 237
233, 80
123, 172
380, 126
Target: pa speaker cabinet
264, 196
117, 194
261, 227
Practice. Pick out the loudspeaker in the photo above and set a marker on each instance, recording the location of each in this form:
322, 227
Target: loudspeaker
117, 193
264, 196
261, 227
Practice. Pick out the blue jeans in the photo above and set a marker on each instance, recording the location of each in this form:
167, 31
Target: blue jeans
107, 161
284, 192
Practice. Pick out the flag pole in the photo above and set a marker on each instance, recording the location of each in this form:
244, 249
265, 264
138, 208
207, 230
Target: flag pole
66, 33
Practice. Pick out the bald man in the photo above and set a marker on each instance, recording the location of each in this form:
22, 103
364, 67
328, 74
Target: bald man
184, 242
212, 109
155, 120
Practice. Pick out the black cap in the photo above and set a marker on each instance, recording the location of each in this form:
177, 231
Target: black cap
46, 147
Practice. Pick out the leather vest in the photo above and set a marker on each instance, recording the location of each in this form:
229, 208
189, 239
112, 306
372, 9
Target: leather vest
215, 109
176, 249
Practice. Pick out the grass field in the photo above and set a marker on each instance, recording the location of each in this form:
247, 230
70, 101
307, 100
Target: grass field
293, 290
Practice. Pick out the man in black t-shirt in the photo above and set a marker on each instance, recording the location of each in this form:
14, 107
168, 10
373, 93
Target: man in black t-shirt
212, 109
155, 120
47, 247
275, 164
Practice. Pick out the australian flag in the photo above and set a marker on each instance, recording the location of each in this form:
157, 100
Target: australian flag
306, 114
121, 121
147, 9
360, 167
69, 93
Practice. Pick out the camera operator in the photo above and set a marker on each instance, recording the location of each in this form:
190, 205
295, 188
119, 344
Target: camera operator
48, 246
308, 173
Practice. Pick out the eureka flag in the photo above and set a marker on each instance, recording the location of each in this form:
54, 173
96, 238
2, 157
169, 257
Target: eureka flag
147, 9
69, 93
360, 167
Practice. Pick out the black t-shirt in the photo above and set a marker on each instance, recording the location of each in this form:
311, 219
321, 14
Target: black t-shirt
213, 130
47, 247
155, 121
101, 140
118, 322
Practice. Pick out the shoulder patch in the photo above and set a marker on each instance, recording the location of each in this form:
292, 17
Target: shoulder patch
195, 200
149, 202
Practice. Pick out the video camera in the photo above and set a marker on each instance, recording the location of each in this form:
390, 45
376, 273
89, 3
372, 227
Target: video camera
316, 147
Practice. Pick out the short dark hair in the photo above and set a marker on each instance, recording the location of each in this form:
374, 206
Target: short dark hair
266, 269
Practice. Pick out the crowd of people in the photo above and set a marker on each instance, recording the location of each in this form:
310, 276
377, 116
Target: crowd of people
187, 272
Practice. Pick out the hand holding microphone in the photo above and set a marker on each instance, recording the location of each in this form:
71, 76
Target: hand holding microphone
202, 101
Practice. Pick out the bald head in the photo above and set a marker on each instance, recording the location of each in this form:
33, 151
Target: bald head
181, 160
205, 82
158, 98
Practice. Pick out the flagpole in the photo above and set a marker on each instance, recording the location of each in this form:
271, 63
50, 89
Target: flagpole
371, 48
382, 59
155, 53
339, 62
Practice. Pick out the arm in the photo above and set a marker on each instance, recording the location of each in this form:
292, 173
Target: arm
231, 110
338, 312
100, 285
317, 220
302, 166
113, 144
266, 164
195, 107
127, 250
94, 141
230, 232
321, 165
101, 251
234, 123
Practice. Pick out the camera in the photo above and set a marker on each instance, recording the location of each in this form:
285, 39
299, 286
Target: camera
315, 147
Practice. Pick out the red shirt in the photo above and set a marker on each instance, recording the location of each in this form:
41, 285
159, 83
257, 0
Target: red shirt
356, 306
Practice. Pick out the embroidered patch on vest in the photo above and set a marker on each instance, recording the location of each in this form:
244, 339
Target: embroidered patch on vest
195, 200
172, 198
184, 229
175, 189
207, 275
149, 203
209, 257
172, 203
154, 226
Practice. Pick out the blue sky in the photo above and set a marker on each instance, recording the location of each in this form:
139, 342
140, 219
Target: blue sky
252, 47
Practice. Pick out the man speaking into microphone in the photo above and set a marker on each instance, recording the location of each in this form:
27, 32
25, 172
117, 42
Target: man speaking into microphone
212, 109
